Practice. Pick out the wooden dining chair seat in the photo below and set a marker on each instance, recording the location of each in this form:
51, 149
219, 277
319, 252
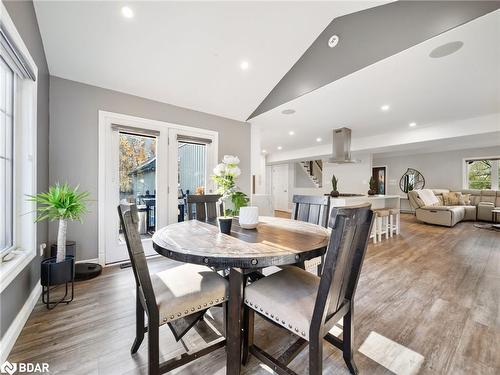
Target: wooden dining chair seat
185, 291
286, 297
308, 305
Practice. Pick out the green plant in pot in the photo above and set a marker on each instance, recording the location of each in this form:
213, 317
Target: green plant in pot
225, 176
62, 203
373, 186
334, 192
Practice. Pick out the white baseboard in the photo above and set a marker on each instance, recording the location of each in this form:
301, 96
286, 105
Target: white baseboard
10, 337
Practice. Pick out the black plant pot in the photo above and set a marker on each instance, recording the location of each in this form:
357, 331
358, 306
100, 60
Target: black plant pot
225, 224
53, 273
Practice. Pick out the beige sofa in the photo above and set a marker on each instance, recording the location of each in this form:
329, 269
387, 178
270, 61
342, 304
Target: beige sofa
482, 202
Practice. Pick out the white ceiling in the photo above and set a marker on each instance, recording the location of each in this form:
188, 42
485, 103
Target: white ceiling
184, 53
418, 89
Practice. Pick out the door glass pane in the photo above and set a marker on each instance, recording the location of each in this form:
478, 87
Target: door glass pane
192, 162
137, 173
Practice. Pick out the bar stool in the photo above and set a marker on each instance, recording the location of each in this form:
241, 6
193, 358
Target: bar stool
394, 215
381, 224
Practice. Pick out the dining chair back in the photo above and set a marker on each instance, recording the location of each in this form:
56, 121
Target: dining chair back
164, 302
333, 296
204, 207
130, 221
312, 209
315, 210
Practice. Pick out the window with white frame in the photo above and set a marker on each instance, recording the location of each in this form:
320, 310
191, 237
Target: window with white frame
18, 112
6, 156
482, 173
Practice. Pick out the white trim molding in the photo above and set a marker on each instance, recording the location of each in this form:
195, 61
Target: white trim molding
24, 246
166, 188
10, 337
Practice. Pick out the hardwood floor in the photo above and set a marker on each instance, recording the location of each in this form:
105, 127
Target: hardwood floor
435, 291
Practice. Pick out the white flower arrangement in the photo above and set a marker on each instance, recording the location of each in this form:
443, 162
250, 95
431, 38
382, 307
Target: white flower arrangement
225, 175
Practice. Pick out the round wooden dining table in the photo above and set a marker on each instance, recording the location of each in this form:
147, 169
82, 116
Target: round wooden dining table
275, 242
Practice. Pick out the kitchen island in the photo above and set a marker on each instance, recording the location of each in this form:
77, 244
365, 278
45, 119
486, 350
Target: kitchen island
377, 201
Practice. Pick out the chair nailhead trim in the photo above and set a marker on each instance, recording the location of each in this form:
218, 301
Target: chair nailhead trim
192, 308
172, 317
179, 314
222, 298
303, 333
199, 307
185, 312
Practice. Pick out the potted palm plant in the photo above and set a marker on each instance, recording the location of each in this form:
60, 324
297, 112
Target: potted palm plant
225, 175
62, 203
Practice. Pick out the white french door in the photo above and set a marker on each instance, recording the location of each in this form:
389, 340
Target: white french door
138, 163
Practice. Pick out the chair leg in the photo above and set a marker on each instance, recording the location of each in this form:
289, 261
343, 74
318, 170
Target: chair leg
315, 355
398, 218
153, 347
139, 325
248, 333
391, 224
347, 340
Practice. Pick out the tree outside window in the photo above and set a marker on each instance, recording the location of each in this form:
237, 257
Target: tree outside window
483, 174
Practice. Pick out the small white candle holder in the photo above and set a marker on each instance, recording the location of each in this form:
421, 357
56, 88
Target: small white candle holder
249, 217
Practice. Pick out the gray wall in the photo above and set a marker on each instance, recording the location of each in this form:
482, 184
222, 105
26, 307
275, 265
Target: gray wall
440, 169
74, 142
13, 297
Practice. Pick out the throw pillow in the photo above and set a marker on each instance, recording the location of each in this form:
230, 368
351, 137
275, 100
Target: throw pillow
467, 201
427, 196
453, 198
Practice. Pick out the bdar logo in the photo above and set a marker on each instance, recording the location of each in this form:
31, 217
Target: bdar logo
8, 368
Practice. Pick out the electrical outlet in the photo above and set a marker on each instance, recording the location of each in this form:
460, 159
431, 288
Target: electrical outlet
42, 248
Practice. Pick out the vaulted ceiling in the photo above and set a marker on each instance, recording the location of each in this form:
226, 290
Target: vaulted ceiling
184, 53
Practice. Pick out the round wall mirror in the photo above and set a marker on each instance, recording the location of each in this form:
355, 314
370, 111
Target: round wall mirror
411, 180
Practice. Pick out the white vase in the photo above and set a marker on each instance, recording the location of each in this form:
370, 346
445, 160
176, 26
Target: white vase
249, 217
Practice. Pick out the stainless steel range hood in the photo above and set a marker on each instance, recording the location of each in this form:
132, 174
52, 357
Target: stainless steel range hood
341, 151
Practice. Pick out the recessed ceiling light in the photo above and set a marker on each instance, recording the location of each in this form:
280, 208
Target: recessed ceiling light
127, 12
288, 111
318, 139
412, 124
446, 49
244, 65
291, 132
279, 148
385, 107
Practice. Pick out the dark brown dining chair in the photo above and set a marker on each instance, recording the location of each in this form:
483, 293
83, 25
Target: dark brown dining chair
177, 297
315, 210
203, 207
308, 305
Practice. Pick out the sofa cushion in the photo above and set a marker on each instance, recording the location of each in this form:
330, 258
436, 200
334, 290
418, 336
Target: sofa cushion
488, 196
484, 211
441, 215
428, 197
470, 213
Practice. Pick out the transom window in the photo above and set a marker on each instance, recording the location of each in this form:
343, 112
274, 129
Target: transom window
482, 173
